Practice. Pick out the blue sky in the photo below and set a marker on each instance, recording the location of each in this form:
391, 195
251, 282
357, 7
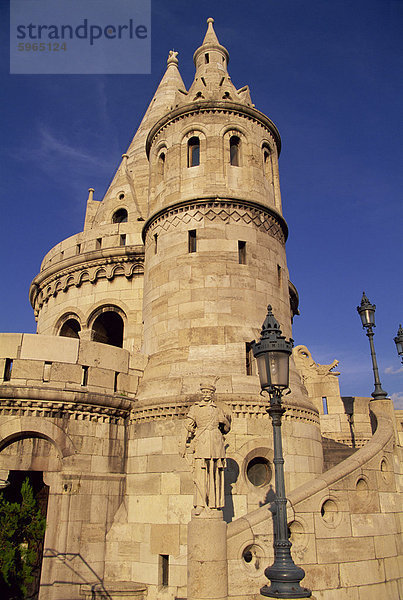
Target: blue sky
328, 73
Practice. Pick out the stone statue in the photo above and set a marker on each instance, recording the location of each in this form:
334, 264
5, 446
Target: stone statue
206, 425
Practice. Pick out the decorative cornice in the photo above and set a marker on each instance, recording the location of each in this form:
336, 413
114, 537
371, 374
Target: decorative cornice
214, 106
56, 403
241, 409
95, 264
227, 209
91, 406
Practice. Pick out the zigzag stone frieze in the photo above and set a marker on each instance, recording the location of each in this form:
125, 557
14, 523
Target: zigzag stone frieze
226, 211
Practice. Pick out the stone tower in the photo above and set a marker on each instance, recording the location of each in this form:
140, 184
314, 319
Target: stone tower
215, 249
166, 286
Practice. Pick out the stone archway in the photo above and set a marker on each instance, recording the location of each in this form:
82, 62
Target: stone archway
35, 449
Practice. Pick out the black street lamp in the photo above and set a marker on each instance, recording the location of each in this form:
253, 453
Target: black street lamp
399, 342
366, 310
272, 353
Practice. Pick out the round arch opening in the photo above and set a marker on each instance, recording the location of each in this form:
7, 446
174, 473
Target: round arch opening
120, 216
70, 328
108, 328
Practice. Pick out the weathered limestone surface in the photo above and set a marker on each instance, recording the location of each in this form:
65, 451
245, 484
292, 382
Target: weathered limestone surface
167, 284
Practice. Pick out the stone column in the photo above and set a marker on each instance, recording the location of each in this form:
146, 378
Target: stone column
207, 556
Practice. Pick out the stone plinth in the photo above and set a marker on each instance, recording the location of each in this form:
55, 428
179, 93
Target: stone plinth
207, 557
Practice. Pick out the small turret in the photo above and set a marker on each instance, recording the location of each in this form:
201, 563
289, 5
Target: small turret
212, 81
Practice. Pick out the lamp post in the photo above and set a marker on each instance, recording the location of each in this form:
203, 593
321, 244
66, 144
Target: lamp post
272, 353
399, 342
366, 310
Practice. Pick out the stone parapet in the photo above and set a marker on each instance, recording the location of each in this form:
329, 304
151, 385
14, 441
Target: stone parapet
40, 369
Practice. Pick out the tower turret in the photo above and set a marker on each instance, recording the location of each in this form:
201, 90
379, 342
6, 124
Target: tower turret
215, 235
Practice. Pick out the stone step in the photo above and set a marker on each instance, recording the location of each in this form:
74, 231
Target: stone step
114, 590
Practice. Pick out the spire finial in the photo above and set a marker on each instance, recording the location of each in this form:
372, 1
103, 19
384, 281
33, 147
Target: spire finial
210, 20
172, 58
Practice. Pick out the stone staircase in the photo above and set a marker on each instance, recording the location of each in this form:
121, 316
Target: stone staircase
334, 452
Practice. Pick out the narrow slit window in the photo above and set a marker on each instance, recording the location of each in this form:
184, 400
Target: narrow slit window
194, 152
161, 166
115, 383
242, 252
46, 371
155, 243
8, 367
234, 149
206, 59
122, 241
84, 376
164, 570
278, 274
98, 243
324, 405
267, 164
248, 358
192, 241
78, 248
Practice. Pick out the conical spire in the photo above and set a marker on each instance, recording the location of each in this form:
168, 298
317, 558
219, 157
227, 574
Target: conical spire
132, 173
210, 39
210, 43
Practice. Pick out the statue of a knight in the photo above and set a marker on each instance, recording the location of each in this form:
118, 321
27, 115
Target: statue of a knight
207, 424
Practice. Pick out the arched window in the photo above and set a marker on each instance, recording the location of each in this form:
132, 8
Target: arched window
193, 152
161, 166
120, 216
108, 329
70, 328
234, 150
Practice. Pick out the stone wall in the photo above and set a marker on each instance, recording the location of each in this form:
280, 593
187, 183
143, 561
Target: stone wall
74, 432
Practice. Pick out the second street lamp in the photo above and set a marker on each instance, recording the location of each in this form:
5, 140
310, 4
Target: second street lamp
399, 342
272, 353
366, 310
